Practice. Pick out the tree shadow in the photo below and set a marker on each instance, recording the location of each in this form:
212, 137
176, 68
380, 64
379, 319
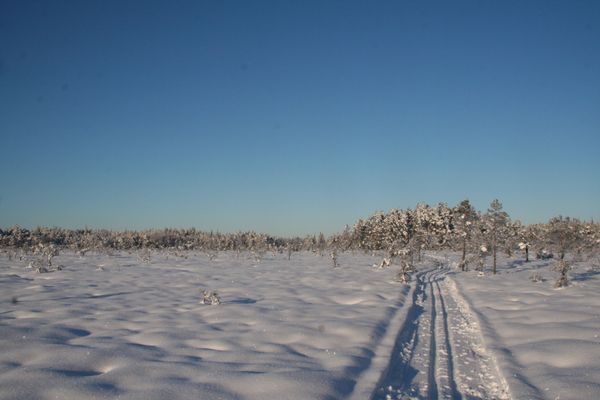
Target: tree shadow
243, 300
584, 276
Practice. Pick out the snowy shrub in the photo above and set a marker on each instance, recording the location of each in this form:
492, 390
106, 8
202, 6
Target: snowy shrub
334, 258
210, 297
479, 258
562, 267
543, 255
563, 235
46, 252
406, 266
82, 252
405, 270
258, 255
536, 277
386, 262
145, 256
42, 270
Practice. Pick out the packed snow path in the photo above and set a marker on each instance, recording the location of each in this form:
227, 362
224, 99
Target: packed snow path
438, 352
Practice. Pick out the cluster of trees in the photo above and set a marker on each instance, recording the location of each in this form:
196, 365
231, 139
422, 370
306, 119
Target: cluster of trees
474, 234
179, 239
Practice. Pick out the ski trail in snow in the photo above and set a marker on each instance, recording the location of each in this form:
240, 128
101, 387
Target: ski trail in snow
477, 374
439, 351
448, 389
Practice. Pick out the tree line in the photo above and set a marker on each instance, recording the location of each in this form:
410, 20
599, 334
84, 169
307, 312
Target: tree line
462, 228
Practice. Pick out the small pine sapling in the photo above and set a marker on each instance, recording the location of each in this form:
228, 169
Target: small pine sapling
393, 252
210, 297
403, 275
386, 262
334, 258
82, 252
562, 267
406, 266
212, 255
536, 277
145, 256
483, 253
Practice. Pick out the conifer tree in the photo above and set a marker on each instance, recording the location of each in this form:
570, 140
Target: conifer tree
496, 220
464, 225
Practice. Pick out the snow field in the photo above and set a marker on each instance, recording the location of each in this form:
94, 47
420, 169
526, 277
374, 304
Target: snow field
546, 341
111, 326
114, 326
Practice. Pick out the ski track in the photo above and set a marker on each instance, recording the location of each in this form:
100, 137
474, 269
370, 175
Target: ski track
439, 352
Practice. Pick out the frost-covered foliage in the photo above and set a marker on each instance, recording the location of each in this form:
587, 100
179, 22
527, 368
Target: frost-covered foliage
334, 258
145, 256
84, 240
536, 277
210, 297
464, 220
495, 228
406, 266
564, 235
562, 267
460, 228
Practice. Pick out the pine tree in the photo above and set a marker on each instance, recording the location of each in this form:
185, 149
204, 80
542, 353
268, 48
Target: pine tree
563, 235
464, 224
496, 221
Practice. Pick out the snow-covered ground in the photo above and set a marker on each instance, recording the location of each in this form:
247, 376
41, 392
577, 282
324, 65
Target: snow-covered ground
108, 326
546, 340
113, 326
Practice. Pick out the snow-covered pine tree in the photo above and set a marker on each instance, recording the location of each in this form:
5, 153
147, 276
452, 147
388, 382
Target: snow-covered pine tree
512, 237
464, 220
424, 217
563, 235
495, 220
443, 225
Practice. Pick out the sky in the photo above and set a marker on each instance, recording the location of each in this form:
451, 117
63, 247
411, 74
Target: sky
294, 117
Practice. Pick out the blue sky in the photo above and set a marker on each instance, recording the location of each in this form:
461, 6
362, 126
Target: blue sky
292, 117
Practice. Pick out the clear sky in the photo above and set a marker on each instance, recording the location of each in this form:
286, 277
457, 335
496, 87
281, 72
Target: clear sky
292, 117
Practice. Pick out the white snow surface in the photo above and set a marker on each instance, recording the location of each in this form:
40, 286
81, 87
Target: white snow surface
111, 326
546, 341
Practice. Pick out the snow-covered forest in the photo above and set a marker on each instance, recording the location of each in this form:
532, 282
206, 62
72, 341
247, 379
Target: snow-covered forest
476, 234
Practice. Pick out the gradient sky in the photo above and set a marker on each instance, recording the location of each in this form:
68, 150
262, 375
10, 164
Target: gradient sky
292, 117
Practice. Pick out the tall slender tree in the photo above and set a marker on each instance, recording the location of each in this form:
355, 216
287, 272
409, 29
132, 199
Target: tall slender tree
496, 220
464, 224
